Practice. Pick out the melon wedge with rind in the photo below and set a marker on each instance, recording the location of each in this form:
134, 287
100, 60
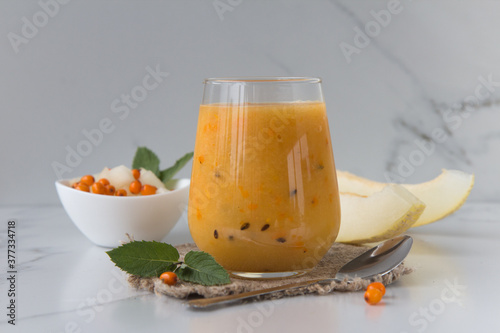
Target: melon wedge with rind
379, 216
443, 195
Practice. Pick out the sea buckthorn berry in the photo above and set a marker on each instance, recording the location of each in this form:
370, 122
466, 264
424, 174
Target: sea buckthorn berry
169, 278
148, 189
373, 296
75, 184
135, 187
136, 173
121, 193
83, 187
98, 188
378, 285
87, 180
110, 189
103, 181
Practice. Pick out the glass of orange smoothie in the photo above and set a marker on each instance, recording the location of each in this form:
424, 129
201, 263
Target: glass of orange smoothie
264, 199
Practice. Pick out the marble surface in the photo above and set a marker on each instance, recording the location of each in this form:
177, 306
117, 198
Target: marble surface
67, 284
430, 67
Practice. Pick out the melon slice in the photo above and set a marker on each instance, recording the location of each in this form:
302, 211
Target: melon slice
148, 177
379, 216
442, 195
120, 177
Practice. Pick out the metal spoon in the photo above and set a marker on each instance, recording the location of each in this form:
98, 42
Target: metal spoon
379, 260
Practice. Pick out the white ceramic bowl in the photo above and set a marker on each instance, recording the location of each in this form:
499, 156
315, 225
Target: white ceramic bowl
105, 219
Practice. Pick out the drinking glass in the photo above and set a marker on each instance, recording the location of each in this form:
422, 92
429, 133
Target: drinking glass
264, 199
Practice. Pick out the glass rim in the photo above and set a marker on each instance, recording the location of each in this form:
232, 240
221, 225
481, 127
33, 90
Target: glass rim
263, 79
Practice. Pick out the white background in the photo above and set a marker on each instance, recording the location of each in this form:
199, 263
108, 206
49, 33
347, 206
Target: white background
406, 82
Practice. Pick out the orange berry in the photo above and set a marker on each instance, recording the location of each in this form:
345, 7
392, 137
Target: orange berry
75, 184
135, 187
110, 189
83, 187
377, 285
136, 173
87, 180
98, 188
148, 189
121, 193
169, 278
103, 181
373, 296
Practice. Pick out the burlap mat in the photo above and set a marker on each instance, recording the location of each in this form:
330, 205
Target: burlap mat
336, 257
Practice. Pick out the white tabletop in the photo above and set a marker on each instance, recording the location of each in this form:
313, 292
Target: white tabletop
64, 283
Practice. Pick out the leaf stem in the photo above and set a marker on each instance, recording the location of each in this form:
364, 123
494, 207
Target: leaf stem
179, 264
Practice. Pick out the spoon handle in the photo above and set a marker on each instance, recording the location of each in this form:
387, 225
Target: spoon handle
206, 302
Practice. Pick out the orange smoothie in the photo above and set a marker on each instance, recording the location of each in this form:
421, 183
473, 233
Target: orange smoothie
263, 195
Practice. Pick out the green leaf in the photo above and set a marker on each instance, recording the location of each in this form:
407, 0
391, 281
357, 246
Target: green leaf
145, 158
145, 258
167, 174
200, 267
